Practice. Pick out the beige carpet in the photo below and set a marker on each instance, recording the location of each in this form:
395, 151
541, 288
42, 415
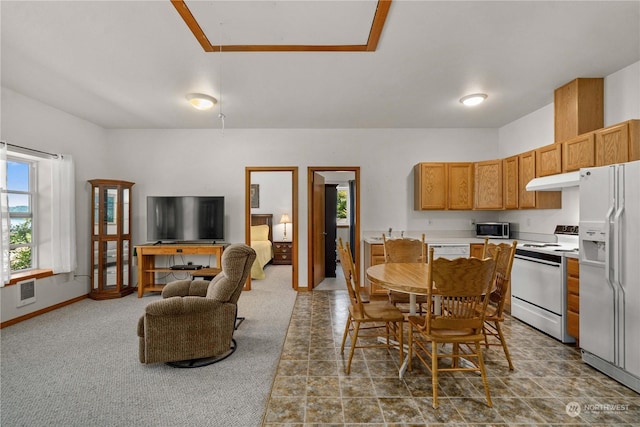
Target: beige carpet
78, 366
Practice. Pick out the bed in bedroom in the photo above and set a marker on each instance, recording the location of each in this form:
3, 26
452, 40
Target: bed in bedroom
261, 242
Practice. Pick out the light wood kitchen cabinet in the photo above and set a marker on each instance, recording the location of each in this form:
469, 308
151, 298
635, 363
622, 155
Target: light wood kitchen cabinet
443, 186
573, 298
510, 191
534, 199
460, 186
526, 172
578, 107
373, 255
476, 250
488, 185
430, 186
618, 144
549, 160
579, 152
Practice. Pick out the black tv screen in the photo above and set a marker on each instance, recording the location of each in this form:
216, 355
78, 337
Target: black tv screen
185, 218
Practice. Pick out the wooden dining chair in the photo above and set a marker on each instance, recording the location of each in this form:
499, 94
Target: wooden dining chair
494, 314
455, 316
405, 250
375, 318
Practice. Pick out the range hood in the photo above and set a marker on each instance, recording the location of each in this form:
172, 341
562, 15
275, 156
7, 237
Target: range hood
554, 182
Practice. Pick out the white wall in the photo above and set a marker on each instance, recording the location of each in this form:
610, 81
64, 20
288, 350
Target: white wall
210, 162
29, 123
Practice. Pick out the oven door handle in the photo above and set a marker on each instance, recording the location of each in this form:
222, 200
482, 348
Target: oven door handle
539, 261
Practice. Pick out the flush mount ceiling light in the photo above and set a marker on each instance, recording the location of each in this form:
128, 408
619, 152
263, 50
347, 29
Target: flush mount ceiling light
201, 101
475, 99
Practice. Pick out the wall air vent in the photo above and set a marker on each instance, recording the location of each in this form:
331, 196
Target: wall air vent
26, 292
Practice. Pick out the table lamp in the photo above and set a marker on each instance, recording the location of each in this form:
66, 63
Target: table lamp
284, 219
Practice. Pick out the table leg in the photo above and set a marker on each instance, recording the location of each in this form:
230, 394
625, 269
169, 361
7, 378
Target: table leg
412, 312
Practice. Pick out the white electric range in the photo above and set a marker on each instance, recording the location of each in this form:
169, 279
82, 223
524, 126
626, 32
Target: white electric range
539, 285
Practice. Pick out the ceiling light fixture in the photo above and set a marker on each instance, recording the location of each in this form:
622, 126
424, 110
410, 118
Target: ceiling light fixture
475, 99
201, 101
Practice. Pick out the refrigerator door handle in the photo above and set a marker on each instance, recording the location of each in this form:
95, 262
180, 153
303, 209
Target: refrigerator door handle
608, 224
618, 237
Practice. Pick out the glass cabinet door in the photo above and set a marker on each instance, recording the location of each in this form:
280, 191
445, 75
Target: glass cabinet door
111, 239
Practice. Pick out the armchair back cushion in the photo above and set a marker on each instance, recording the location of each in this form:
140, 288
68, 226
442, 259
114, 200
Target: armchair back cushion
191, 324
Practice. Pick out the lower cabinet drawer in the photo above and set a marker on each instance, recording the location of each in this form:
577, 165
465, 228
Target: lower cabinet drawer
573, 303
573, 324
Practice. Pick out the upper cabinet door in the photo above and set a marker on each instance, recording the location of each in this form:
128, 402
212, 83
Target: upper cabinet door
578, 107
527, 171
488, 185
430, 186
579, 153
460, 186
549, 160
612, 145
510, 182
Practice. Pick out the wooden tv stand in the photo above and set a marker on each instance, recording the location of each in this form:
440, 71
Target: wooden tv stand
147, 262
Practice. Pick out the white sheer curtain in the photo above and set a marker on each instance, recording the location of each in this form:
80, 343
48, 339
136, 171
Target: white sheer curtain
5, 269
63, 221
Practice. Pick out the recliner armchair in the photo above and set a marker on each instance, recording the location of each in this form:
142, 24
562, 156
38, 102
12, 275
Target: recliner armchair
192, 325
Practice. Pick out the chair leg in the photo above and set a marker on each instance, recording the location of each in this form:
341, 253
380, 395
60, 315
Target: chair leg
455, 359
400, 333
354, 341
485, 382
410, 350
486, 338
434, 373
504, 345
346, 332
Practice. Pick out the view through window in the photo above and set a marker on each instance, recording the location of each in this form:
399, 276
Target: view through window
20, 195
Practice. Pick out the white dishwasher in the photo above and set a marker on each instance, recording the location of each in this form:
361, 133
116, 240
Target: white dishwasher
450, 250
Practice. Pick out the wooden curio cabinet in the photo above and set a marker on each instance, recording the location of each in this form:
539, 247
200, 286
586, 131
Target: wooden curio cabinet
110, 239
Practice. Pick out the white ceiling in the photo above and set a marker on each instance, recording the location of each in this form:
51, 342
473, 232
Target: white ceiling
129, 64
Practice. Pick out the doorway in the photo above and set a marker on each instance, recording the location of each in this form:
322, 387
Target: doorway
291, 228
318, 178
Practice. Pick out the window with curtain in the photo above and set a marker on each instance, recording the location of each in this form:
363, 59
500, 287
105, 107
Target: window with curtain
37, 212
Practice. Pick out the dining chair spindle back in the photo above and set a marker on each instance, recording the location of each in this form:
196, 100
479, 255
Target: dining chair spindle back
405, 250
455, 315
494, 314
375, 318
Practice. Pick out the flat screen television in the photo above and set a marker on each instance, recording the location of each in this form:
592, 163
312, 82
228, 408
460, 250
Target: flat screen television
185, 218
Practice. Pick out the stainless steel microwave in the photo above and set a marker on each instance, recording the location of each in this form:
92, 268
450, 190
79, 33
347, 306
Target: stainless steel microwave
494, 230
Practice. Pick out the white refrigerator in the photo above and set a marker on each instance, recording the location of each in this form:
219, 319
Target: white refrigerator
610, 270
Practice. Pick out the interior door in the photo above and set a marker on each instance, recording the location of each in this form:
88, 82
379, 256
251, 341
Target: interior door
318, 230
330, 228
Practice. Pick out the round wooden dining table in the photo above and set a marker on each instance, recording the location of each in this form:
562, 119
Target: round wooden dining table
407, 277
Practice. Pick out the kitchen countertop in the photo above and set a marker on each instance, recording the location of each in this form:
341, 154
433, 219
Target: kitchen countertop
436, 240
373, 240
462, 240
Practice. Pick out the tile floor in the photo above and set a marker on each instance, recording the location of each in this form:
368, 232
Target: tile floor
311, 388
